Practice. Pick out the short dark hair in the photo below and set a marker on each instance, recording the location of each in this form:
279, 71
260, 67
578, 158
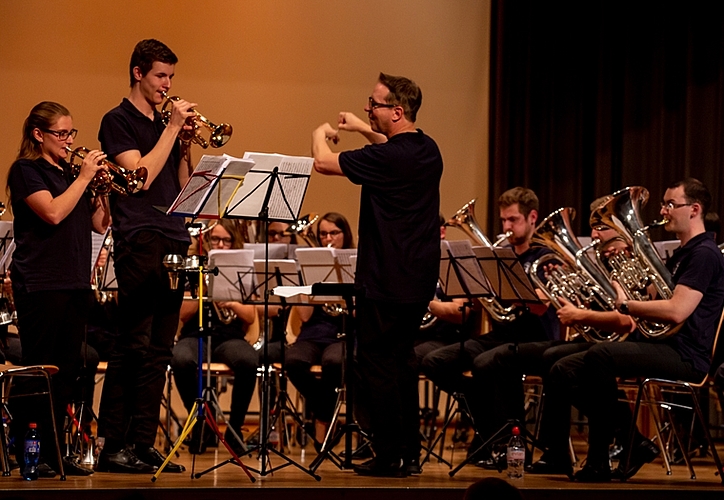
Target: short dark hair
524, 197
146, 53
403, 92
695, 192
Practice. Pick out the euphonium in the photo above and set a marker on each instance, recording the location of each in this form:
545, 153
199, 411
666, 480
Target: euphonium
621, 212
218, 134
464, 219
579, 279
116, 178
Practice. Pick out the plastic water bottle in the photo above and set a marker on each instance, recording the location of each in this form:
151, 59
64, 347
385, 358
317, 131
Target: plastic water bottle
515, 456
32, 453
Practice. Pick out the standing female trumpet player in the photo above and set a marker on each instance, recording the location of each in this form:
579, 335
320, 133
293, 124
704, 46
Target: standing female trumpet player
54, 215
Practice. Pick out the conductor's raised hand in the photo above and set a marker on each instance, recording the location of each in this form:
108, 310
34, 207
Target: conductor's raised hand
330, 133
351, 122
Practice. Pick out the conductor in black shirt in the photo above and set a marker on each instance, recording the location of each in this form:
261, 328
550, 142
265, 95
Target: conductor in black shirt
397, 261
134, 135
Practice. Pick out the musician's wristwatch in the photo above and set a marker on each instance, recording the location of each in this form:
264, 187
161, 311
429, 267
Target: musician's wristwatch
623, 308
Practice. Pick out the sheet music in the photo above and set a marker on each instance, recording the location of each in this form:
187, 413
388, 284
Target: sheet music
276, 250
7, 257
210, 187
97, 241
470, 273
326, 265
286, 197
506, 274
289, 275
234, 273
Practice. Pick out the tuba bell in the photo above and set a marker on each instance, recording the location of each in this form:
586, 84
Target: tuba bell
644, 267
580, 280
116, 178
218, 134
464, 219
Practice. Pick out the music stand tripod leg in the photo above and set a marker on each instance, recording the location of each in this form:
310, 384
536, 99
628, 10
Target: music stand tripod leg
188, 427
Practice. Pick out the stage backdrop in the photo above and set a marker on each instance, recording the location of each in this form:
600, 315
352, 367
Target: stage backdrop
274, 69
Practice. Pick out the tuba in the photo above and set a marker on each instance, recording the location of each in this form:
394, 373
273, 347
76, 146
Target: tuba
464, 219
116, 178
580, 279
621, 212
218, 134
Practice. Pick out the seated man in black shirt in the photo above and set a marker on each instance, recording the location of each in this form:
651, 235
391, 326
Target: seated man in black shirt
589, 379
445, 366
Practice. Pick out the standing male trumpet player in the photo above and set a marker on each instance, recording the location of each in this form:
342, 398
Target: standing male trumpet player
133, 135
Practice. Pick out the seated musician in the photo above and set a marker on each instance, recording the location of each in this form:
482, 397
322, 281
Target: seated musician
318, 343
588, 379
507, 364
229, 321
445, 366
441, 325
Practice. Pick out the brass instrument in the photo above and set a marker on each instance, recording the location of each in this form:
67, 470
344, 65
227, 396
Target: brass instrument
579, 279
644, 267
464, 219
218, 134
303, 229
116, 178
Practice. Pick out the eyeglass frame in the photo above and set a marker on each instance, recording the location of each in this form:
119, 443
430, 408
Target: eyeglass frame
332, 234
670, 205
72, 133
372, 104
219, 239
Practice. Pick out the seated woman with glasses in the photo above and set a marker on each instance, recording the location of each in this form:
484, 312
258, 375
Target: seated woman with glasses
229, 322
317, 343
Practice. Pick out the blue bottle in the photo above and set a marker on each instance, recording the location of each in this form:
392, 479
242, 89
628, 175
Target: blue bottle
32, 453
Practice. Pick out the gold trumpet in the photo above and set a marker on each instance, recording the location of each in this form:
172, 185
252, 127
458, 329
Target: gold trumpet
218, 134
116, 178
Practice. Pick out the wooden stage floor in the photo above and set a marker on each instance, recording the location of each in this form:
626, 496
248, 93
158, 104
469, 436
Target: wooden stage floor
291, 483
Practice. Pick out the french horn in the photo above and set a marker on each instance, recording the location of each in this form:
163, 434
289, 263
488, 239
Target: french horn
621, 212
218, 134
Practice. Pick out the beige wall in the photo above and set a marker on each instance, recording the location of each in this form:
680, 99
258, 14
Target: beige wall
274, 69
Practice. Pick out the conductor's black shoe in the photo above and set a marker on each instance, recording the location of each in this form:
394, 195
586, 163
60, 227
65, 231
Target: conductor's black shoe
71, 467
123, 462
643, 453
412, 466
592, 474
154, 457
377, 468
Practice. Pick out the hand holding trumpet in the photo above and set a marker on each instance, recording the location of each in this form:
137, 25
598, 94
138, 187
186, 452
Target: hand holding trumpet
92, 163
182, 114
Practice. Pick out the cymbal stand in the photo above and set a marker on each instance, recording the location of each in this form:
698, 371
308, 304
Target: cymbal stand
201, 411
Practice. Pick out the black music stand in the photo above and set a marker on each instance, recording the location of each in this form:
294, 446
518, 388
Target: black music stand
484, 272
272, 191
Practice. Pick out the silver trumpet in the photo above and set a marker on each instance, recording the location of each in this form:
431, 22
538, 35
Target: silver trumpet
464, 219
579, 279
621, 212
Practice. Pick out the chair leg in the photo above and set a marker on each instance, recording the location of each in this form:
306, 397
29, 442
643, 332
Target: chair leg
55, 429
709, 440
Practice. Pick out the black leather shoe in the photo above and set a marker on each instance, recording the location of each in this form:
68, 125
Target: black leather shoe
46, 471
544, 466
412, 466
124, 462
379, 468
154, 457
592, 474
71, 467
643, 453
